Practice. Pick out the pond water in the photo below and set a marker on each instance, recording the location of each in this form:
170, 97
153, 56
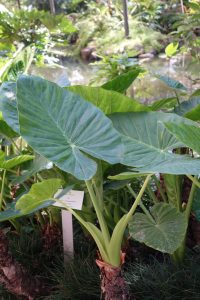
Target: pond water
146, 89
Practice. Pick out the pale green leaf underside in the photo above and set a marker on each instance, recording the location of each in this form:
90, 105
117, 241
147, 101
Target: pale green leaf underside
167, 231
148, 144
64, 128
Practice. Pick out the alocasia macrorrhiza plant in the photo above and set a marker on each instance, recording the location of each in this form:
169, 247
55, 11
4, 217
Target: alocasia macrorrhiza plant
76, 136
71, 132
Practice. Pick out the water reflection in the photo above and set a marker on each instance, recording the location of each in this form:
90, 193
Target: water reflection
145, 89
149, 88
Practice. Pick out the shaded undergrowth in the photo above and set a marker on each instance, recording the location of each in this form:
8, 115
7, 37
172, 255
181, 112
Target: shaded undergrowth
149, 277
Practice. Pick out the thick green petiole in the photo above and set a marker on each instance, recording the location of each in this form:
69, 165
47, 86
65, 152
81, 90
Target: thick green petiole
138, 199
145, 210
179, 254
97, 207
2, 189
114, 248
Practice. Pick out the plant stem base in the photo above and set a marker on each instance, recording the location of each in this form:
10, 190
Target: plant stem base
113, 285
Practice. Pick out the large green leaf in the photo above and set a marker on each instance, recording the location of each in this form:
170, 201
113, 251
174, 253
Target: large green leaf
40, 195
148, 144
64, 128
190, 109
121, 83
8, 164
187, 134
171, 82
108, 101
8, 104
165, 232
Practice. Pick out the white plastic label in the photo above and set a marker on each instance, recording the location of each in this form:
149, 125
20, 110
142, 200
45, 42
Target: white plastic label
68, 239
73, 199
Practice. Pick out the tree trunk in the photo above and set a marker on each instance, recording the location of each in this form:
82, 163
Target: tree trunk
14, 277
182, 7
110, 7
113, 285
19, 4
125, 13
52, 7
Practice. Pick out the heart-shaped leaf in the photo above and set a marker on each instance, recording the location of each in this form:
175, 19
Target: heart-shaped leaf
165, 232
148, 144
64, 128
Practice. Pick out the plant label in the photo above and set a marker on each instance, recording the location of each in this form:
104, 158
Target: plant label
73, 199
68, 239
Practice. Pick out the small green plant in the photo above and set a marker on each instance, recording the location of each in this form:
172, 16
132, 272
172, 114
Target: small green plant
36, 28
111, 67
19, 63
171, 49
186, 29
